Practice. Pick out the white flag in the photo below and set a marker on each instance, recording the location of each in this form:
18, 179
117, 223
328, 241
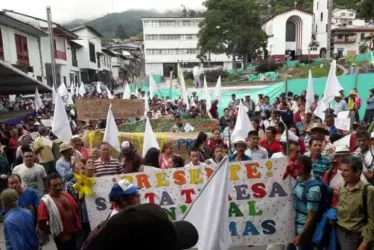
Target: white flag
153, 87
37, 100
54, 94
209, 211
126, 92
332, 87
243, 124
218, 92
111, 131
320, 110
109, 94
69, 100
98, 87
62, 90
207, 96
60, 123
309, 93
291, 137
184, 91
82, 90
72, 87
150, 140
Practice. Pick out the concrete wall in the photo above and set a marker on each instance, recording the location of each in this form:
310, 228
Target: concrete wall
10, 52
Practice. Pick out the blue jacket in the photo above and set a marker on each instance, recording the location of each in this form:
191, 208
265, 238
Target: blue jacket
326, 231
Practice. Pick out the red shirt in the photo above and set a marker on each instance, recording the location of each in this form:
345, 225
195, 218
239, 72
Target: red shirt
68, 227
297, 117
213, 143
273, 147
13, 145
214, 111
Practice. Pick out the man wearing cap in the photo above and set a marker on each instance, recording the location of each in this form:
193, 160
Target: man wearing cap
340, 104
122, 195
144, 227
240, 147
19, 224
65, 163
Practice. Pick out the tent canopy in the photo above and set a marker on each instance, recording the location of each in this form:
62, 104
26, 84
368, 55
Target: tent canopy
15, 81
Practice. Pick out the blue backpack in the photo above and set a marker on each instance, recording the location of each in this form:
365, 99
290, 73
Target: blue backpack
326, 196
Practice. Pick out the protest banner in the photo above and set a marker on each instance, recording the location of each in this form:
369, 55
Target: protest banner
181, 142
165, 125
97, 108
260, 201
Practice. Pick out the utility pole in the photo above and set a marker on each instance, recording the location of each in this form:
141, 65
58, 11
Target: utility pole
329, 19
51, 41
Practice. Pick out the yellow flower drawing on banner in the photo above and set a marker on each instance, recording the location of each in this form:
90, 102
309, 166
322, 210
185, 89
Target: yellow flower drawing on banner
83, 185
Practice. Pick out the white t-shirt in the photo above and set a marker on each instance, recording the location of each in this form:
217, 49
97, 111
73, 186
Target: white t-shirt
32, 177
278, 155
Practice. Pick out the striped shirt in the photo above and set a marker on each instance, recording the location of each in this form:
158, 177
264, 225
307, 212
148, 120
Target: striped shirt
112, 167
313, 198
320, 166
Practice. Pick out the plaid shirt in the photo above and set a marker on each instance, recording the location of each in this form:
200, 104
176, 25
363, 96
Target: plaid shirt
83, 214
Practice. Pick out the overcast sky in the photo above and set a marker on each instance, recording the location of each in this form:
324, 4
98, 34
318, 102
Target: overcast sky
66, 10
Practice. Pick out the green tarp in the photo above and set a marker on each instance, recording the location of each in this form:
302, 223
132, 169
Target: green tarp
365, 82
365, 57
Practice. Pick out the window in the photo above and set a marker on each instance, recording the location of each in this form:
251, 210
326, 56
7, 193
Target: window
351, 14
343, 14
98, 61
65, 80
92, 52
74, 60
186, 23
22, 50
290, 31
321, 16
340, 37
1, 48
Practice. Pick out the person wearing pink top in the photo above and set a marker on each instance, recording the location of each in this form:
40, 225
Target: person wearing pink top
77, 143
166, 155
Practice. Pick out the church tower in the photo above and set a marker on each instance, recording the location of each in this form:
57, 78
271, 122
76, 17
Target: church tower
320, 20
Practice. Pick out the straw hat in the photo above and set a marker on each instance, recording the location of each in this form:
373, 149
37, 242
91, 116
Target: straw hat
65, 146
319, 127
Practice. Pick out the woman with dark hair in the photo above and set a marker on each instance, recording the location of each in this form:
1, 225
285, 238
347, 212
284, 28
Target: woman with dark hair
216, 140
152, 158
177, 161
257, 126
166, 155
201, 144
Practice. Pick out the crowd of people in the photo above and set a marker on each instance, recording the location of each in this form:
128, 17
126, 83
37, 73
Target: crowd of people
37, 170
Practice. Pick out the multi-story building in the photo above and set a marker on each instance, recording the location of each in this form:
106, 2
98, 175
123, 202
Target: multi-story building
350, 40
169, 41
342, 16
90, 55
21, 60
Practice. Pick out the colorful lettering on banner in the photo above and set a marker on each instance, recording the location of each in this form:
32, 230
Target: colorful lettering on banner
260, 201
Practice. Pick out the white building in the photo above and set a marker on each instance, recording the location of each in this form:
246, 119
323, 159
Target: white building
290, 33
21, 60
90, 55
342, 15
348, 40
169, 41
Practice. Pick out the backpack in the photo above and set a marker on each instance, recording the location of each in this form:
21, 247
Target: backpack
326, 196
93, 234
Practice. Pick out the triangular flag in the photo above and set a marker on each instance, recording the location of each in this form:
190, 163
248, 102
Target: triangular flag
342, 145
136, 92
291, 137
150, 140
218, 91
37, 100
208, 212
243, 124
98, 88
184, 91
111, 131
60, 123
70, 99
72, 88
77, 90
153, 87
309, 93
333, 86
82, 90
62, 90
126, 92
320, 110
207, 96
109, 94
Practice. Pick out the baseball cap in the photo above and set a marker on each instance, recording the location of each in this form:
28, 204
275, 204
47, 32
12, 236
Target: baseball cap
144, 227
9, 195
123, 187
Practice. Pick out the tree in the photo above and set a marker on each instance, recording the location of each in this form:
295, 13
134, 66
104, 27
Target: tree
121, 33
366, 9
232, 27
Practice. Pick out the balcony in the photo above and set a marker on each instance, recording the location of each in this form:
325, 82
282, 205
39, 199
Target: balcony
344, 40
60, 55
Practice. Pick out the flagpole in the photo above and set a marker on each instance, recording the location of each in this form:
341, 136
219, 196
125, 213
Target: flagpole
52, 47
222, 163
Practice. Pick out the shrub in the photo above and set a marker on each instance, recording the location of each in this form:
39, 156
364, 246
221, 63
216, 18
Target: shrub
189, 82
213, 74
266, 67
306, 61
233, 77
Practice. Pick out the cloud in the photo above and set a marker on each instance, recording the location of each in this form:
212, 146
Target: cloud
63, 11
